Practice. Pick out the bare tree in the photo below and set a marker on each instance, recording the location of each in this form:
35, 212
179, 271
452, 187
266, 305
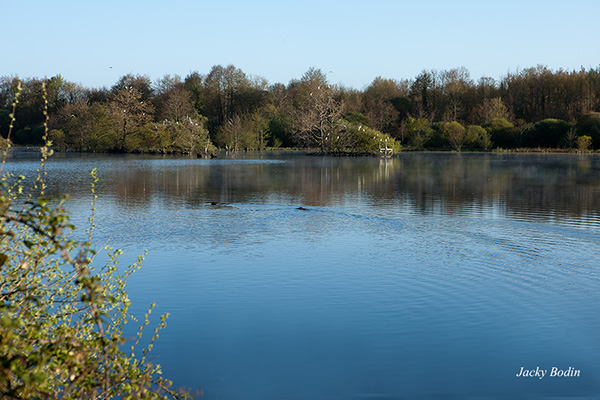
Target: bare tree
177, 104
378, 103
490, 109
317, 113
165, 84
382, 114
455, 83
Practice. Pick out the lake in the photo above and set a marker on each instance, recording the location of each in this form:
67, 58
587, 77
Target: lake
429, 275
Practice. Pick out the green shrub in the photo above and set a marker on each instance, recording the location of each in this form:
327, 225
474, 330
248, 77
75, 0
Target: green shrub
62, 317
547, 133
584, 143
418, 131
364, 140
421, 137
477, 138
61, 330
454, 134
589, 124
502, 133
436, 138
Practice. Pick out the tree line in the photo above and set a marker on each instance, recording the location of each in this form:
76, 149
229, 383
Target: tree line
228, 109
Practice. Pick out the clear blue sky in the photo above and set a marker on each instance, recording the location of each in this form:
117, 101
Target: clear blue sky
280, 40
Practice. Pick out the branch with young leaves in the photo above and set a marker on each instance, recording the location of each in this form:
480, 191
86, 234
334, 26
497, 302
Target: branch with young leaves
62, 319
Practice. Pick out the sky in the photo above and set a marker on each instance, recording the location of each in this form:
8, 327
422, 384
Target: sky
94, 43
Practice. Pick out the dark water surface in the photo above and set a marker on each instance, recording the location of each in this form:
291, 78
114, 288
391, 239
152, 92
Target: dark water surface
424, 276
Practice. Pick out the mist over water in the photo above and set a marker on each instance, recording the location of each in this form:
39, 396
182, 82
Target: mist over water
421, 276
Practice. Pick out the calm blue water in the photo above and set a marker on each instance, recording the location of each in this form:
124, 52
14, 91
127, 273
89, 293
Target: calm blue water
425, 276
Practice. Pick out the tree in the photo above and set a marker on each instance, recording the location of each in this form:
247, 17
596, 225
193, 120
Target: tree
229, 135
383, 115
456, 84
129, 112
9, 87
31, 106
74, 125
165, 84
84, 126
455, 134
491, 109
142, 84
356, 118
177, 104
317, 117
525, 98
194, 83
257, 127
351, 98
281, 129
487, 88
60, 92
224, 94
98, 95
244, 132
378, 103
422, 95
190, 135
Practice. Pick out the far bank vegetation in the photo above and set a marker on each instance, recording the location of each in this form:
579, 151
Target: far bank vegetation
535, 109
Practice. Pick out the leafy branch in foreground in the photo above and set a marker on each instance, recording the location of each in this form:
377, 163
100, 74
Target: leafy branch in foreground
61, 318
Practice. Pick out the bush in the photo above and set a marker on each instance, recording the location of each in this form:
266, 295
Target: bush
436, 138
584, 143
589, 124
502, 133
454, 134
421, 137
418, 131
62, 318
364, 140
477, 138
547, 133
61, 330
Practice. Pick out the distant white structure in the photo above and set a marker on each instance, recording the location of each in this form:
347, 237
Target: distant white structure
384, 150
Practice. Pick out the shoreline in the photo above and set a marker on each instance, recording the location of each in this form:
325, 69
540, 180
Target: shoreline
313, 152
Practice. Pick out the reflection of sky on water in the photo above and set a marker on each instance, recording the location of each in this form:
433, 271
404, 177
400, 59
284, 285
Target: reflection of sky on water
422, 276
